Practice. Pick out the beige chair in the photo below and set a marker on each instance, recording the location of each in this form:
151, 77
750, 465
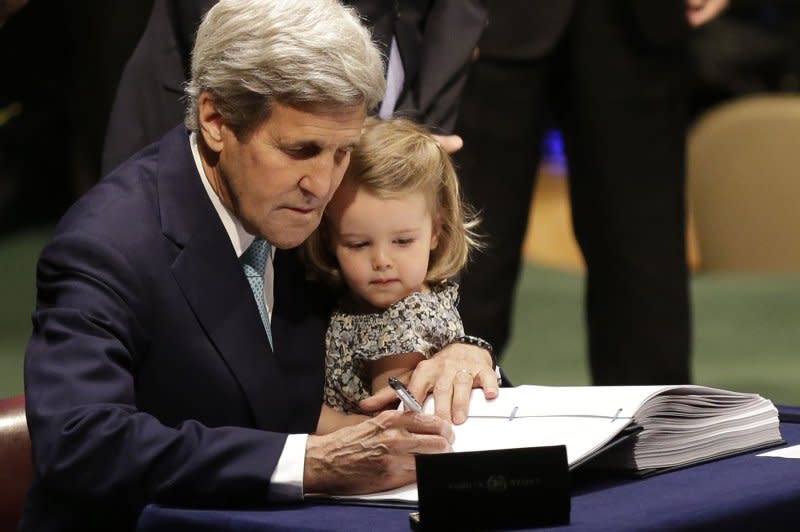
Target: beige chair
744, 184
15, 461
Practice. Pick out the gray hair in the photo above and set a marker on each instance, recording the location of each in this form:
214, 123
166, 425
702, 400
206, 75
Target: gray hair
252, 53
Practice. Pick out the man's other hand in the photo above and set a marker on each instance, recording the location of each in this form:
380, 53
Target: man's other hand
375, 455
698, 12
450, 143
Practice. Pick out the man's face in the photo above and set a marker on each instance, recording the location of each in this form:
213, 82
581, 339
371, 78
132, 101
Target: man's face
278, 181
382, 245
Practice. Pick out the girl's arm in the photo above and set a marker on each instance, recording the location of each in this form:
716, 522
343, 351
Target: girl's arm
379, 371
391, 366
331, 420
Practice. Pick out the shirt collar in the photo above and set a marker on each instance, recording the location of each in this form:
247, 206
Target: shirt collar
239, 237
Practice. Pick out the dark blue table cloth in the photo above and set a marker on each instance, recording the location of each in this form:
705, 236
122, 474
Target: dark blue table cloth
743, 492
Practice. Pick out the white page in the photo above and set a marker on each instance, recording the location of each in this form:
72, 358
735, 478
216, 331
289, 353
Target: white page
585, 401
492, 429
581, 436
785, 452
586, 418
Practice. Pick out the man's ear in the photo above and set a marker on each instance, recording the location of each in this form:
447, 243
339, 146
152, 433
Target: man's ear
210, 120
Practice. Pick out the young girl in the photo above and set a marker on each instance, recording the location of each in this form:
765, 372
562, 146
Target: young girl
393, 235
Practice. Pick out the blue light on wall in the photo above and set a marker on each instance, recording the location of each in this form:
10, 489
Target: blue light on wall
553, 149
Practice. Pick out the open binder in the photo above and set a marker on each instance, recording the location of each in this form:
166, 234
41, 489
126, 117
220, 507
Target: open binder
632, 429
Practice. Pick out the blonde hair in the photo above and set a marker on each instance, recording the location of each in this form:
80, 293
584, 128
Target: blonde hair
252, 53
398, 157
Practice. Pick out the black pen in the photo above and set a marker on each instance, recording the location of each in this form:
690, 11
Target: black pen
404, 395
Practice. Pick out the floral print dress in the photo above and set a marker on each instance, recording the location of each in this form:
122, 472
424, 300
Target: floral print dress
422, 322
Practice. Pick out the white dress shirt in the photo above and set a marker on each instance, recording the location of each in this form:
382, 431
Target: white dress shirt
395, 75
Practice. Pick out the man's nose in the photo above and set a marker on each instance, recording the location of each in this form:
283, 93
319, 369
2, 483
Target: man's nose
319, 176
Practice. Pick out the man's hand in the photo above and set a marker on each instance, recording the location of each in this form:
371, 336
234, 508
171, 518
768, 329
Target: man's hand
450, 375
375, 455
450, 143
698, 12
331, 420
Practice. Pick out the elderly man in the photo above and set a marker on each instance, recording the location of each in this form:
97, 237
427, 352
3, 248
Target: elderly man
177, 351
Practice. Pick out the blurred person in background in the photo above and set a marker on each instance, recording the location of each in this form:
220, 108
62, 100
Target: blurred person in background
753, 47
8, 8
428, 44
79, 47
612, 75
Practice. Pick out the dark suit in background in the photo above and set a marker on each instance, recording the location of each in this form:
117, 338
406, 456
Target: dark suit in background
435, 39
611, 74
84, 46
123, 375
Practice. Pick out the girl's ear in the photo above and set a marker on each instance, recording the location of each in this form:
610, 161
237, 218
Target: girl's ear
435, 232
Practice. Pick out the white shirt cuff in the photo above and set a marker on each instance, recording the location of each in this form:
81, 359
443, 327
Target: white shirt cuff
286, 482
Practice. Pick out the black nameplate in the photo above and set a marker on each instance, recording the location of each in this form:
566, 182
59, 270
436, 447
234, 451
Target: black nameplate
484, 490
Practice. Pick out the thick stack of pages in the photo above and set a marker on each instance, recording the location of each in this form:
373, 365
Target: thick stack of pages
638, 429
689, 425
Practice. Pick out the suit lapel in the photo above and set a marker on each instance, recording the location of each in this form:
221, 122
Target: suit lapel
217, 290
211, 278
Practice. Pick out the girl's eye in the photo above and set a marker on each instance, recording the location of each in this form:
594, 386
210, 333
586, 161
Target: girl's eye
404, 241
356, 245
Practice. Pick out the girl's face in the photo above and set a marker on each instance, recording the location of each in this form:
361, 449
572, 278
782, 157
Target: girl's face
383, 245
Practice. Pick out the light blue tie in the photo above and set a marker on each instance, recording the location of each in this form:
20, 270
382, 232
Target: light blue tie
254, 261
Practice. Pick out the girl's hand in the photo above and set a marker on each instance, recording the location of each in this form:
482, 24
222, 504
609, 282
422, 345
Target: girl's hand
450, 375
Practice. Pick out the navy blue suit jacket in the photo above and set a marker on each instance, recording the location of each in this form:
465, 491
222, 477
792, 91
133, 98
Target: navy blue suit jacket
149, 376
